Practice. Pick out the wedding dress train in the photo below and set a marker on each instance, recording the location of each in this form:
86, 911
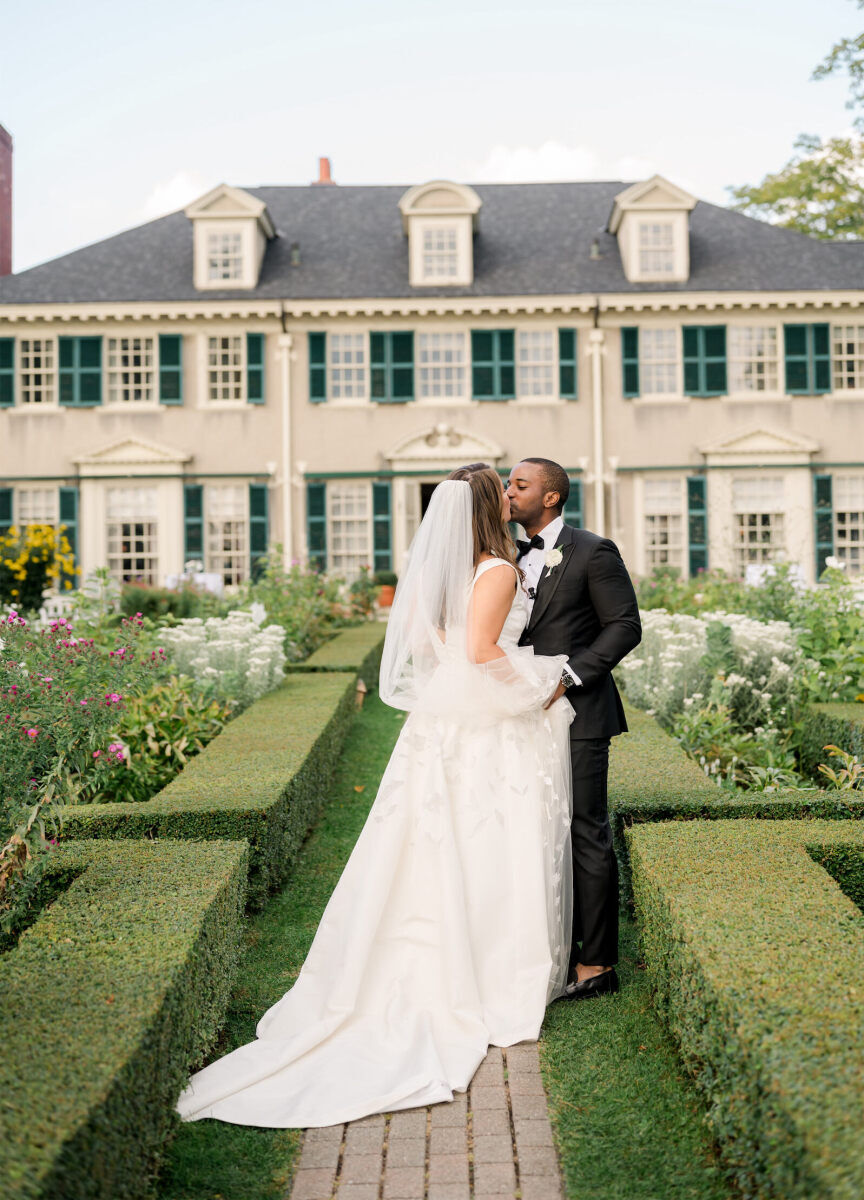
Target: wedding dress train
449, 928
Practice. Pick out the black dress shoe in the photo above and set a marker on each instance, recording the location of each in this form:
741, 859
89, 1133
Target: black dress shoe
604, 984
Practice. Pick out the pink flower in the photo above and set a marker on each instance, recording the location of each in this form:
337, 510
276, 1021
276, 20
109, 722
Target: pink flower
31, 733
112, 697
96, 753
82, 702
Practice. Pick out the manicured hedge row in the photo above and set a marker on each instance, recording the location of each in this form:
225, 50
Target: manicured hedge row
356, 649
652, 779
107, 1001
263, 779
830, 725
757, 959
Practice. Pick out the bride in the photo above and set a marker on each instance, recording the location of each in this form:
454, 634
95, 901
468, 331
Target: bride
449, 928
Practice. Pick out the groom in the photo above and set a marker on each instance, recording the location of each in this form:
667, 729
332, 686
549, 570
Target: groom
582, 605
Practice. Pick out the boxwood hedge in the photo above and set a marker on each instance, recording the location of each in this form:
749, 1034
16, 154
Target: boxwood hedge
357, 649
107, 1001
263, 779
652, 779
757, 959
830, 725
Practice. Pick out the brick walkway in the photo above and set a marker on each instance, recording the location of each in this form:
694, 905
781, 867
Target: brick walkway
494, 1141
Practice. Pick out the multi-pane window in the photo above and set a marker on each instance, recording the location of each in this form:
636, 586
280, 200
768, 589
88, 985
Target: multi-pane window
224, 256
350, 533
38, 366
347, 366
664, 523
758, 506
658, 361
847, 346
535, 363
132, 534
227, 532
131, 370
37, 506
442, 364
440, 252
753, 359
225, 368
849, 521
656, 248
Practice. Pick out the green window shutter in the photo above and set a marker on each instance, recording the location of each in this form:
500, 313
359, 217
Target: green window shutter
317, 367
704, 360
68, 510
567, 365
823, 512
493, 364
7, 372
391, 358
697, 523
630, 360
80, 371
316, 525
381, 526
573, 508
255, 370
807, 350
258, 527
5, 509
193, 522
170, 368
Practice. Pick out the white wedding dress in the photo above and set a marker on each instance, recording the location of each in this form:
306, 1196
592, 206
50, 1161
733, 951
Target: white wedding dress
449, 928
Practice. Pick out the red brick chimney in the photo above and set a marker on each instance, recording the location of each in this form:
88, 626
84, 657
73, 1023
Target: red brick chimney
5, 202
324, 174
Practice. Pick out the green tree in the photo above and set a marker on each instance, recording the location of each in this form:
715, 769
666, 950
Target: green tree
818, 192
847, 55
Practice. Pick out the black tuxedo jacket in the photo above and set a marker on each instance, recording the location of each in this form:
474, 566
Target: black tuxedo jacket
586, 608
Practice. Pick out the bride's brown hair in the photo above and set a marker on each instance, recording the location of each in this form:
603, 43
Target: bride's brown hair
491, 535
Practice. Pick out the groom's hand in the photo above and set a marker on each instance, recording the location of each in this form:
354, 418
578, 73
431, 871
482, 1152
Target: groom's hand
556, 695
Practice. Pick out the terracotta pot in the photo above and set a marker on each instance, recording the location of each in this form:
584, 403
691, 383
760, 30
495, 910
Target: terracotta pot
386, 592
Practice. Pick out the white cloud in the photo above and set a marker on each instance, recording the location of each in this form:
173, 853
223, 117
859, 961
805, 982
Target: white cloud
173, 193
554, 162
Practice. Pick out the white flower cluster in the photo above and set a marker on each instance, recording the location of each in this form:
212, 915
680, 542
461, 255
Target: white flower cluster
668, 671
247, 660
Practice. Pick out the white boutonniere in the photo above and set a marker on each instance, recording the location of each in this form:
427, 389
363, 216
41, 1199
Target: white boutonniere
553, 558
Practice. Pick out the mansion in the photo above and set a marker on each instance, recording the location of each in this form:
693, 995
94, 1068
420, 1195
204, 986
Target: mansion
302, 365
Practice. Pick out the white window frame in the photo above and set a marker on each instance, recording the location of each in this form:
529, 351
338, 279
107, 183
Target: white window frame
52, 508
440, 252
52, 371
647, 243
464, 256
220, 257
423, 381
364, 555
142, 508
113, 375
206, 401
737, 359
214, 559
528, 364
673, 508
361, 342
849, 550
840, 336
675, 359
771, 513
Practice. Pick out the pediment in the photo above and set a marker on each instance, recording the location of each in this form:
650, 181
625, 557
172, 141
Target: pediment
444, 447
762, 442
439, 197
134, 452
651, 195
229, 203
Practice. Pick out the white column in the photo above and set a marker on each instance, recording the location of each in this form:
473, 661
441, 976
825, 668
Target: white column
285, 343
596, 339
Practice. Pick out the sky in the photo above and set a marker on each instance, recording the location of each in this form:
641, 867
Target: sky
121, 113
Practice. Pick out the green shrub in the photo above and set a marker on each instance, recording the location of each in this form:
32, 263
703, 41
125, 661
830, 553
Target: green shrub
108, 1000
756, 956
829, 724
264, 778
356, 649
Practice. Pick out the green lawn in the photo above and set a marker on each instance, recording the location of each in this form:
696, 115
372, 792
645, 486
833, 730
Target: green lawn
211, 1160
627, 1120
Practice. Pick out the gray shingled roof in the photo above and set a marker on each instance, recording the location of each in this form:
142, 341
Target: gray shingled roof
531, 239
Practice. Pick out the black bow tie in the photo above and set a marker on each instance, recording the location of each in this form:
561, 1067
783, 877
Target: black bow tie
536, 543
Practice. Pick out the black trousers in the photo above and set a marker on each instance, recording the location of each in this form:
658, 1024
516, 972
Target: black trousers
595, 868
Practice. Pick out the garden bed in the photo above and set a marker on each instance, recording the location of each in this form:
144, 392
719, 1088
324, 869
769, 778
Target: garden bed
107, 1001
264, 779
830, 724
755, 954
356, 649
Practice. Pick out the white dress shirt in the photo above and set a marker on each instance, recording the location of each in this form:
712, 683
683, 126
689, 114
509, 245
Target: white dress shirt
533, 563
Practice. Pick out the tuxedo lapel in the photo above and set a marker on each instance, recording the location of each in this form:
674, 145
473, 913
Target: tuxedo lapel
549, 578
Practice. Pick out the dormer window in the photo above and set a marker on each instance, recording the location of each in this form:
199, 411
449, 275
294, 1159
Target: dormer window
231, 229
224, 255
652, 223
439, 219
656, 248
